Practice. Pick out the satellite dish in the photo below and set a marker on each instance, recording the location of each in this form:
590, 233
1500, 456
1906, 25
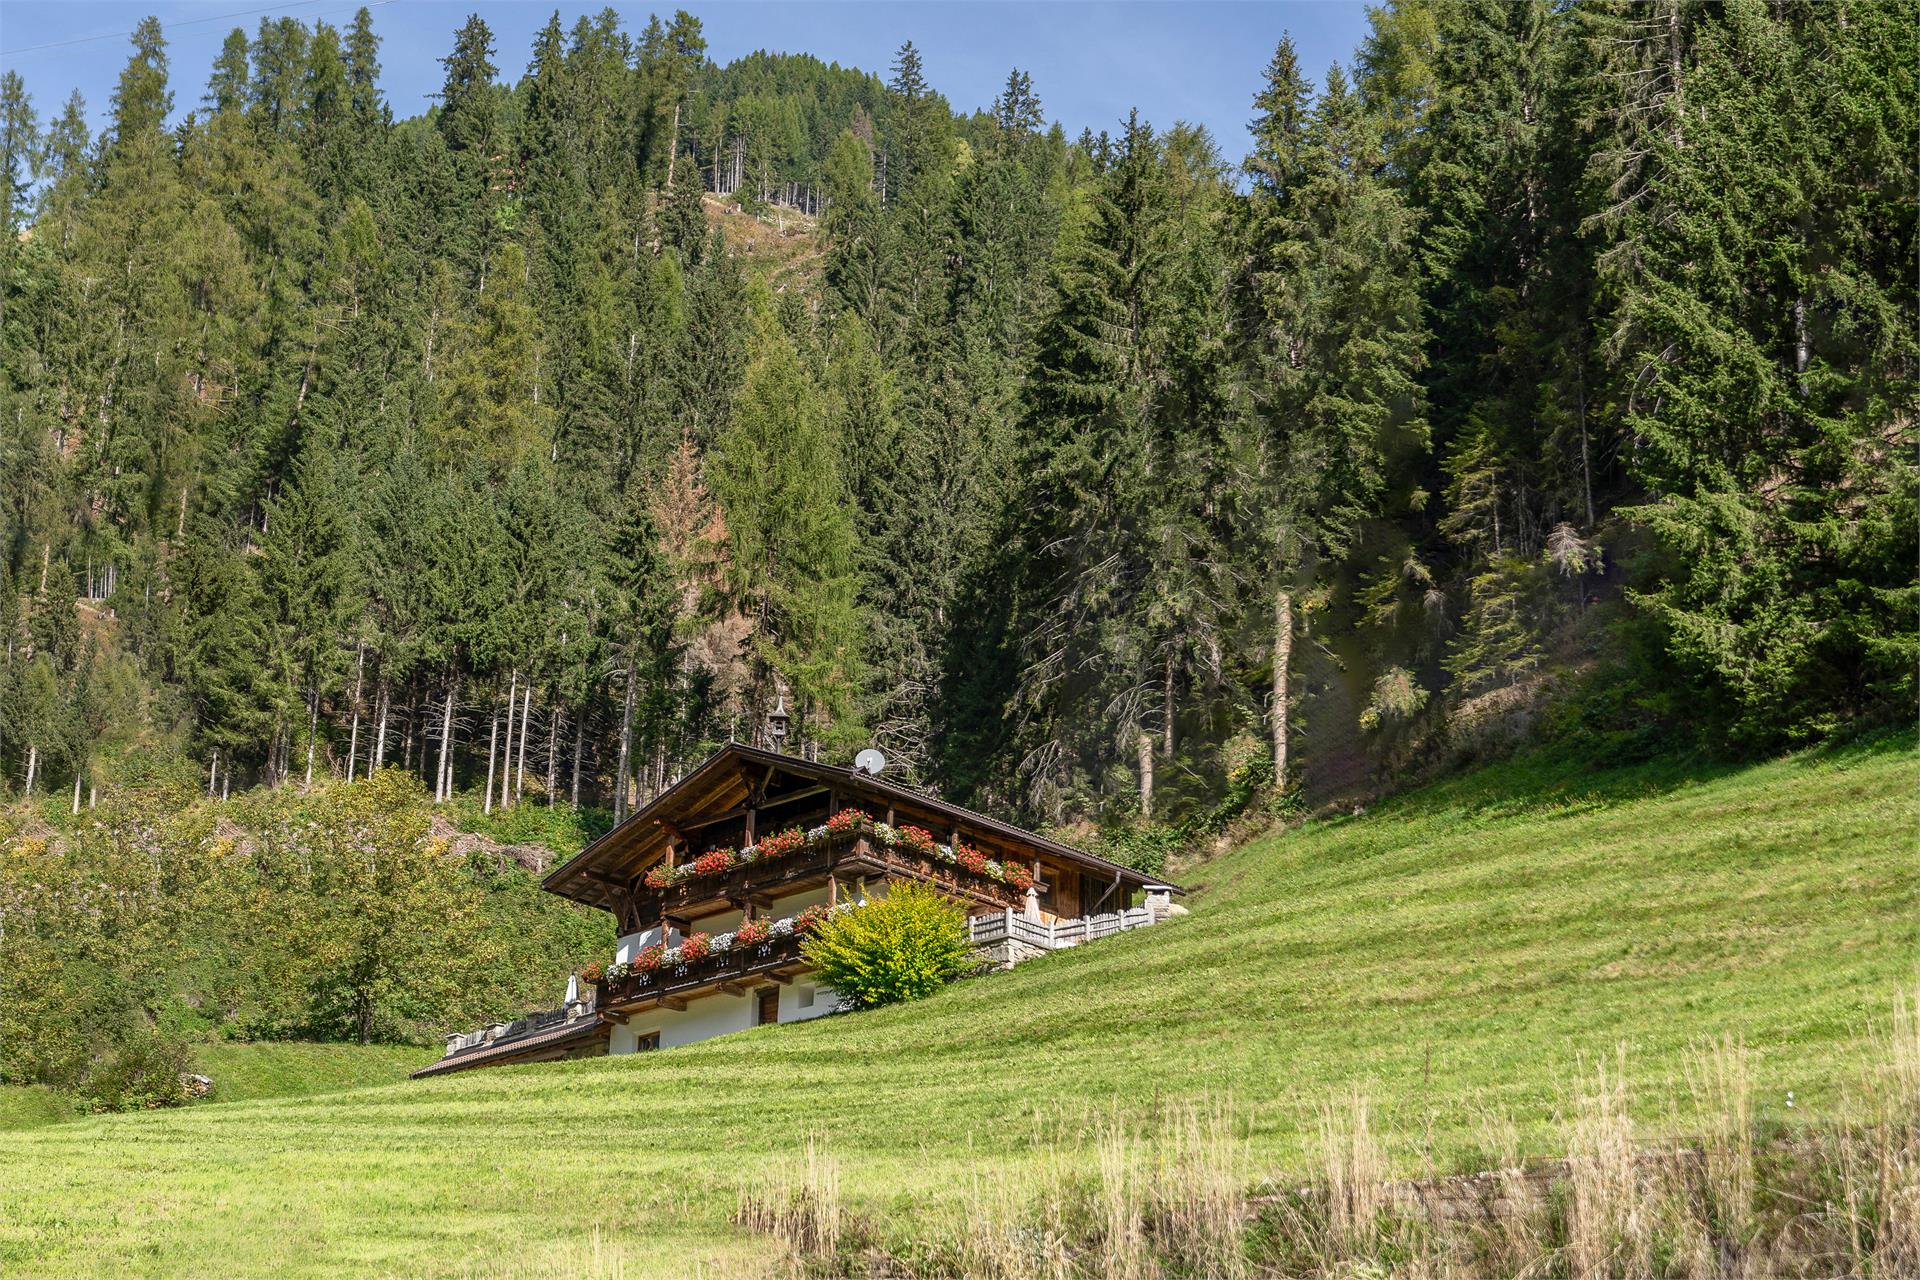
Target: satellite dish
870, 762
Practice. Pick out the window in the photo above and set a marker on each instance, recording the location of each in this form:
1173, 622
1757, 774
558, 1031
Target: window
806, 997
768, 1007
647, 1042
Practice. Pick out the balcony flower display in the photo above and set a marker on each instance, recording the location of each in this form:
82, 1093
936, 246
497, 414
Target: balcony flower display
918, 840
699, 946
782, 844
971, 858
711, 864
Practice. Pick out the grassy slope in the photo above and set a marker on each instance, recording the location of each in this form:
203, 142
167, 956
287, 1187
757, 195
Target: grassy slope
1461, 951
246, 1072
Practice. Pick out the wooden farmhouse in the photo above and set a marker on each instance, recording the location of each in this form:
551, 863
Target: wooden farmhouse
716, 882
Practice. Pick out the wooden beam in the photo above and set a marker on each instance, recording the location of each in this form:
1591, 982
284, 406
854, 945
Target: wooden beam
731, 988
774, 802
674, 1002
616, 1015
784, 979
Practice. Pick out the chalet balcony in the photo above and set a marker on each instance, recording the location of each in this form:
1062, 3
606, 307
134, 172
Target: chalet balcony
843, 855
670, 985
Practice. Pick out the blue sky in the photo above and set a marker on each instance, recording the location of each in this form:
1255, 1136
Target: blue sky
1090, 62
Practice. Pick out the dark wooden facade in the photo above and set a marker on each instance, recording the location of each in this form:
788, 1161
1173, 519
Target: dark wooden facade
742, 793
740, 796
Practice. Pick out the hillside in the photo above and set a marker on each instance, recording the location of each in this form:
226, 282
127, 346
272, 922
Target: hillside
1463, 955
245, 1072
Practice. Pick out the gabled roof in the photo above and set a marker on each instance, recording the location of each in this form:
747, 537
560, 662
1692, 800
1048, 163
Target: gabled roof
720, 783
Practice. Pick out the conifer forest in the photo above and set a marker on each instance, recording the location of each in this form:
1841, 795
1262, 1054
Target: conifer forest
1551, 369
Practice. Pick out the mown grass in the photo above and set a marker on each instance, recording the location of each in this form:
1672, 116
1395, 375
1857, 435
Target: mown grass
1462, 953
245, 1072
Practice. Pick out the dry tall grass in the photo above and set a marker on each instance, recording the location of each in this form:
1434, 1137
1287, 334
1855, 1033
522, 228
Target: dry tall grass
1169, 1194
799, 1205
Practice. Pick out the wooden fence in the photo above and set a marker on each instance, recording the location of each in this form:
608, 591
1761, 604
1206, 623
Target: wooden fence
1055, 935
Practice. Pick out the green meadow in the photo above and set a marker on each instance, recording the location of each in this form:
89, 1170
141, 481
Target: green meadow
1464, 956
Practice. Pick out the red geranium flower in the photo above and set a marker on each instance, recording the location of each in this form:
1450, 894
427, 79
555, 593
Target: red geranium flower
750, 933
970, 858
809, 920
660, 877
592, 973
782, 843
918, 839
712, 863
695, 946
1017, 875
648, 960
845, 820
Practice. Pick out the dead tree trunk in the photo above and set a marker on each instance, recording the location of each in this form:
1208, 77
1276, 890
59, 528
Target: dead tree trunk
493, 744
444, 781
526, 718
380, 735
513, 692
1166, 707
1282, 660
1146, 775
553, 750
626, 748
353, 735
579, 752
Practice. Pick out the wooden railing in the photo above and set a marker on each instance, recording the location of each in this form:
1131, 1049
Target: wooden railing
949, 877
496, 1033
669, 981
815, 860
1055, 935
755, 877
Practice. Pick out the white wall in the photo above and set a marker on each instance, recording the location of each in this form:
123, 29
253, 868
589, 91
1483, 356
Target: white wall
703, 1018
632, 944
804, 987
719, 1014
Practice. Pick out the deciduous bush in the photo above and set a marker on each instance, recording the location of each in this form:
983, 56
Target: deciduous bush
906, 945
